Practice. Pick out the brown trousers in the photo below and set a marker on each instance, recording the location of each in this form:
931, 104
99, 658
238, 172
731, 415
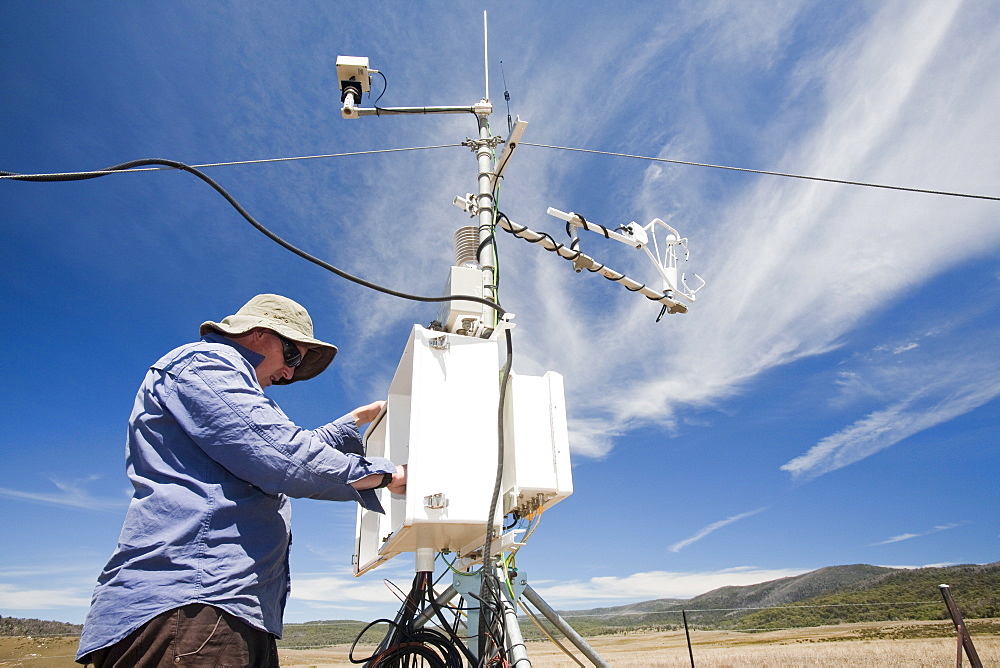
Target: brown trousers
194, 635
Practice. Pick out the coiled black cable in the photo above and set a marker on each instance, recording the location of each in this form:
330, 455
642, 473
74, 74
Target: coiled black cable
81, 176
404, 642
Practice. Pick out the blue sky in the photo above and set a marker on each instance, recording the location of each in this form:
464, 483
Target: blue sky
831, 398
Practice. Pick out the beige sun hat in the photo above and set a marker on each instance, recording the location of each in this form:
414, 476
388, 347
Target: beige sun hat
285, 317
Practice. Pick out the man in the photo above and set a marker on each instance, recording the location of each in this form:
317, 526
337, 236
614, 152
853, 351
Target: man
200, 575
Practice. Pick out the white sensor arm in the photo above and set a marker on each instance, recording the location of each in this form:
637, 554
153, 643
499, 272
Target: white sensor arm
581, 261
655, 234
632, 234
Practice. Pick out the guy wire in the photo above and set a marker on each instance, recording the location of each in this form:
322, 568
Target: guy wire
115, 170
769, 173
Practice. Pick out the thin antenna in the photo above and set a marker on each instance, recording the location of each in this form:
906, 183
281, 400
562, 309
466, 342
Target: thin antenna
486, 56
506, 96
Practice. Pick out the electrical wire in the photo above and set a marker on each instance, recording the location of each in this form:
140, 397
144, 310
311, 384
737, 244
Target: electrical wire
405, 642
15, 176
521, 543
253, 221
491, 606
769, 173
385, 87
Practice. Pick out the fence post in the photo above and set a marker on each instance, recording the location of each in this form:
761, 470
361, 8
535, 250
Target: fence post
687, 633
964, 639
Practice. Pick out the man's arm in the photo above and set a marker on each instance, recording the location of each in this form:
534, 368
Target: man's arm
397, 486
221, 408
362, 416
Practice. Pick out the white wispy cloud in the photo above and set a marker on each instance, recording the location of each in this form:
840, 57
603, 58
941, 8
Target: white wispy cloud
715, 526
340, 590
614, 590
794, 268
336, 593
908, 536
943, 380
884, 428
16, 598
71, 493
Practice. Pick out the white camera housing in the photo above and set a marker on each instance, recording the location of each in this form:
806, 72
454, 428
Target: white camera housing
354, 70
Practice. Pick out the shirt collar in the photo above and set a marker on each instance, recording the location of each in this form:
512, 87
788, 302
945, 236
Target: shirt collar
249, 355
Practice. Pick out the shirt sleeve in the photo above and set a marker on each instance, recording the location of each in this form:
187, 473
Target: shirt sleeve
220, 405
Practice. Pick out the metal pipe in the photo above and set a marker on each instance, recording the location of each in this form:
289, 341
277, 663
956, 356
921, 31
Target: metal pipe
517, 652
389, 111
565, 628
486, 55
485, 157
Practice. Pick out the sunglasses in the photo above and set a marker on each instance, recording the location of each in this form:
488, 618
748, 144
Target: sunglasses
290, 351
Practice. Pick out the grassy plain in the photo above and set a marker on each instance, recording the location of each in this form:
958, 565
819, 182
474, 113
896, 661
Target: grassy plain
894, 644
885, 645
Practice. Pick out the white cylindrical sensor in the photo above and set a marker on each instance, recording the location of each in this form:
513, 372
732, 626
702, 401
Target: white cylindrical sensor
466, 245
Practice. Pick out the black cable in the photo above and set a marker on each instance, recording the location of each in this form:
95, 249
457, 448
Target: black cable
81, 176
484, 243
489, 589
451, 628
587, 226
511, 148
404, 643
385, 87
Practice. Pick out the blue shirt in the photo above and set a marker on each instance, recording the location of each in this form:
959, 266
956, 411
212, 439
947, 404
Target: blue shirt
213, 461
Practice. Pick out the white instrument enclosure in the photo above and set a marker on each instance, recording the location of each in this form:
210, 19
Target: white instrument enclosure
441, 420
537, 472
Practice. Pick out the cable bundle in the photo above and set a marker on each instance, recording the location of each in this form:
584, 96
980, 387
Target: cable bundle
406, 642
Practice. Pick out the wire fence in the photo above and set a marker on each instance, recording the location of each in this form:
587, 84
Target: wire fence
646, 619
649, 620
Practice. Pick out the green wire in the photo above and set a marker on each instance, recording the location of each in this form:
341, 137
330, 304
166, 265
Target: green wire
451, 566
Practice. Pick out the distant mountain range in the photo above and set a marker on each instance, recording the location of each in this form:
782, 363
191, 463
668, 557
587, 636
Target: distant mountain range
832, 595
15, 626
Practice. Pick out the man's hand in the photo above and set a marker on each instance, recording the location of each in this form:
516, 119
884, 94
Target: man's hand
398, 484
365, 414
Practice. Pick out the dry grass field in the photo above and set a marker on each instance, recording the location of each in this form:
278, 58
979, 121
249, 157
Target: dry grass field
821, 646
843, 645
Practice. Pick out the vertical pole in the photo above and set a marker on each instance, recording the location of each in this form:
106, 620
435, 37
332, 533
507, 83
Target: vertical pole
484, 154
486, 56
964, 639
687, 634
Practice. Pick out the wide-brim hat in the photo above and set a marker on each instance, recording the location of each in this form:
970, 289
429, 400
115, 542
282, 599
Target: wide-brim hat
287, 318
